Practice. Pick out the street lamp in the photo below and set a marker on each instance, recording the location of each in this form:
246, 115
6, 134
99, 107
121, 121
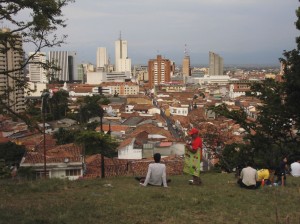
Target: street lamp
44, 96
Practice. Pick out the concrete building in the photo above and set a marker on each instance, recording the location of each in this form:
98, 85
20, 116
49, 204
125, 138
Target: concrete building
102, 58
37, 87
122, 62
36, 71
159, 71
120, 88
186, 66
100, 76
11, 72
216, 64
66, 62
239, 88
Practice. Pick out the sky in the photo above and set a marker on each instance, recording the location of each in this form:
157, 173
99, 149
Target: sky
240, 31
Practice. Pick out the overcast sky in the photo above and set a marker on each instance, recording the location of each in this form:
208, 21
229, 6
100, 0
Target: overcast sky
241, 31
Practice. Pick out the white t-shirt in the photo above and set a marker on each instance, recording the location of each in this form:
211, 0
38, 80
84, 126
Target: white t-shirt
295, 169
156, 175
249, 176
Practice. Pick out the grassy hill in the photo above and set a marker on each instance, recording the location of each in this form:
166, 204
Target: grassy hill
122, 200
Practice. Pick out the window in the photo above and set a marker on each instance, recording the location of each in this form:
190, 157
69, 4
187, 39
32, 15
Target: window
74, 172
40, 174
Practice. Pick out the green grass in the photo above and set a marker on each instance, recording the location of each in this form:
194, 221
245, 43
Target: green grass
92, 201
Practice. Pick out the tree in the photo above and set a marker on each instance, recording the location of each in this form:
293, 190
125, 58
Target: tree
91, 107
64, 136
275, 131
43, 18
58, 104
11, 153
95, 142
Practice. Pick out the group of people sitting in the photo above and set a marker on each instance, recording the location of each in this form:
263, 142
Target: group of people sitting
251, 178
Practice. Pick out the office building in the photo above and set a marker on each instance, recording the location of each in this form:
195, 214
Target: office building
36, 71
122, 62
159, 71
66, 63
102, 58
216, 64
11, 73
186, 66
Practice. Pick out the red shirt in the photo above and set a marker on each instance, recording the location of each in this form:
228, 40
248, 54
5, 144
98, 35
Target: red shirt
197, 145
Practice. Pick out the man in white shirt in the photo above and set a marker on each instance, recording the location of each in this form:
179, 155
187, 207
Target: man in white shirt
156, 174
248, 177
295, 168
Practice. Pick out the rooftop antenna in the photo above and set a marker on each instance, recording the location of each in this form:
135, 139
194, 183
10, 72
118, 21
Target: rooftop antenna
186, 53
120, 35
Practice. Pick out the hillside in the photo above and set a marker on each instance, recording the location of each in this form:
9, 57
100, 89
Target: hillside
122, 200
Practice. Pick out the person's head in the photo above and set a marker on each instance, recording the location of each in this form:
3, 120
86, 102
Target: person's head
249, 163
157, 157
284, 159
193, 132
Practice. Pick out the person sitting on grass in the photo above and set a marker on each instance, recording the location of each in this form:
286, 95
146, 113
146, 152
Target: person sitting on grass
266, 175
295, 168
248, 177
156, 174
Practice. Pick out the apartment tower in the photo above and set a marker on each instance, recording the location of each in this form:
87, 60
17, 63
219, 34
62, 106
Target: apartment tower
216, 64
102, 58
11, 73
36, 71
159, 71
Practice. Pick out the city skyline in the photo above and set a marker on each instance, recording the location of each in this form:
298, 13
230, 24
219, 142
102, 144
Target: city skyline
243, 32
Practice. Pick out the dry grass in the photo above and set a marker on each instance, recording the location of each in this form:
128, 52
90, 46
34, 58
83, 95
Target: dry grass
122, 200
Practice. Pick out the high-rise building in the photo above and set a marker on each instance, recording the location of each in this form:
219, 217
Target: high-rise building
66, 62
186, 66
159, 71
122, 62
216, 64
186, 63
102, 58
11, 73
36, 71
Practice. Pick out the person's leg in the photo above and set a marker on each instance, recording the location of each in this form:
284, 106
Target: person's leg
197, 180
140, 179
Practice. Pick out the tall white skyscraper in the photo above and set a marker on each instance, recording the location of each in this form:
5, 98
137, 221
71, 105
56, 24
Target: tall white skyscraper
122, 62
102, 57
36, 71
216, 64
66, 62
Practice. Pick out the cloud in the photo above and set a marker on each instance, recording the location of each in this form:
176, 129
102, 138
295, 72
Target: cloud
238, 29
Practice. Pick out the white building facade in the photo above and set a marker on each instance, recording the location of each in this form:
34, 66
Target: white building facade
122, 62
36, 71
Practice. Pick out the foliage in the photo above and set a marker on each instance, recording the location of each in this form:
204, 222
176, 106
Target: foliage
95, 142
11, 153
91, 107
64, 136
274, 132
58, 104
35, 23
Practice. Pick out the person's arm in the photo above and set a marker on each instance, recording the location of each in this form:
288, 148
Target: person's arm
164, 177
282, 181
147, 177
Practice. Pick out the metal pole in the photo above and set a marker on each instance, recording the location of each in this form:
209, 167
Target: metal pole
44, 128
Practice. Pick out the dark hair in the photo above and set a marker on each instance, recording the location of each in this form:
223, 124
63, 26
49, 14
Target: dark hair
157, 157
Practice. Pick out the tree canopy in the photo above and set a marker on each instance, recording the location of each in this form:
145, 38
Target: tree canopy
33, 23
275, 132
